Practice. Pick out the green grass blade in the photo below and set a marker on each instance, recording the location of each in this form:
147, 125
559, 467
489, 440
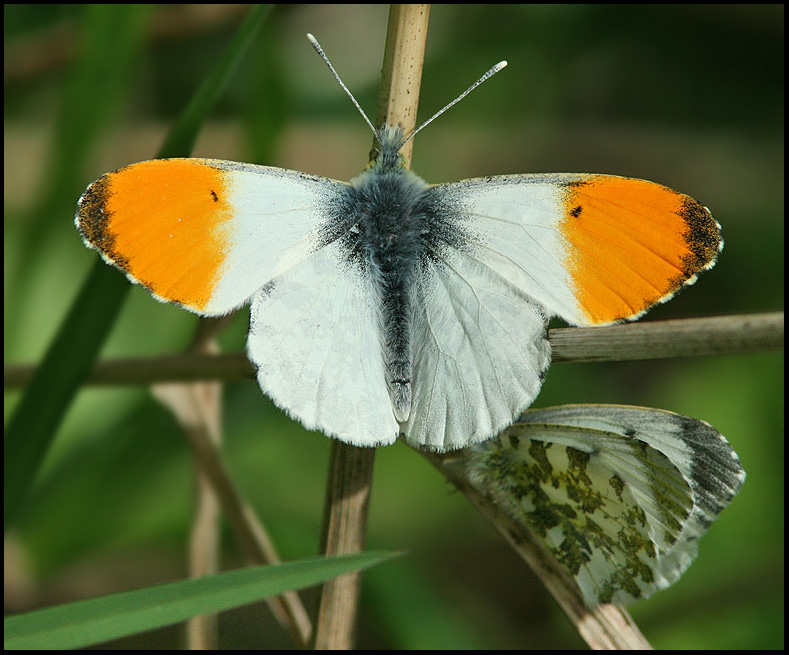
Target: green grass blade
90, 622
182, 137
49, 394
110, 38
89, 321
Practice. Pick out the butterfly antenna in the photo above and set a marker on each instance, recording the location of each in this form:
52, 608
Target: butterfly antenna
323, 56
486, 76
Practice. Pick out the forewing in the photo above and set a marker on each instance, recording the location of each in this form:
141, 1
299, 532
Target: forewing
203, 233
592, 249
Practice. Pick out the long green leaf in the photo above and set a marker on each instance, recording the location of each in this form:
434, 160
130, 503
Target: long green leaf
91, 317
89, 622
182, 137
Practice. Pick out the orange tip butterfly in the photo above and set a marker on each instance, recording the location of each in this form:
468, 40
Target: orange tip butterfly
387, 306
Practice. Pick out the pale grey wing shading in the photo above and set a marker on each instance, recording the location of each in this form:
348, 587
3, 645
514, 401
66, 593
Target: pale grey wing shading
315, 340
480, 353
610, 491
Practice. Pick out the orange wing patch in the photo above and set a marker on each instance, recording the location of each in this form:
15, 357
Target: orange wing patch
633, 244
159, 221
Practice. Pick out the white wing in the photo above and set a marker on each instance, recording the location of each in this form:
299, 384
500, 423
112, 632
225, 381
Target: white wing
620, 495
480, 353
698, 451
315, 338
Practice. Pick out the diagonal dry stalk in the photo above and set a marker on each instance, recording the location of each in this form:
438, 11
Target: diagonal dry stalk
197, 408
604, 627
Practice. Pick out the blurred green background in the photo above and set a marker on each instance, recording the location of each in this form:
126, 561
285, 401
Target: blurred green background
690, 96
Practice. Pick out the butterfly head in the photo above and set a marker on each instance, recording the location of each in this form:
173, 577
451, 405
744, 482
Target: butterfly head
386, 155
